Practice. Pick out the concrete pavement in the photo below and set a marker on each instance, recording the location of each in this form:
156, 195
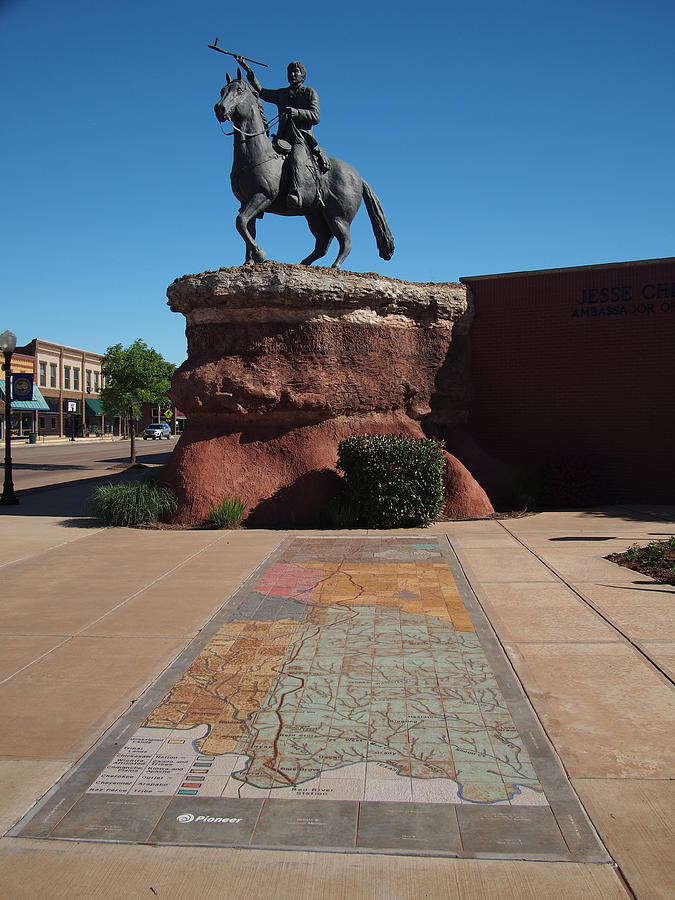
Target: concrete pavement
91, 616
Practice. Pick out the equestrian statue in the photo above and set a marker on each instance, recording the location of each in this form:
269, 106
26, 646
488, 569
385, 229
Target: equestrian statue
288, 173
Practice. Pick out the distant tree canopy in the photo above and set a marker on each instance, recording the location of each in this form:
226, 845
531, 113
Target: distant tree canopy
133, 376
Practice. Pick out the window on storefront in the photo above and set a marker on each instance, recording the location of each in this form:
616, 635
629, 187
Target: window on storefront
96, 382
66, 377
41, 422
89, 381
53, 421
43, 374
52, 375
76, 378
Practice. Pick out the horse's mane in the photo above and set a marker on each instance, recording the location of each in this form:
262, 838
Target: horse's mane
262, 111
263, 116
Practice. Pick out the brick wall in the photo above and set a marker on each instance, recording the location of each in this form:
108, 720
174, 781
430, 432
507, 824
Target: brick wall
579, 363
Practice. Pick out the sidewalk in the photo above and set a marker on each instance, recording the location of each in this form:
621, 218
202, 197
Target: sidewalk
93, 616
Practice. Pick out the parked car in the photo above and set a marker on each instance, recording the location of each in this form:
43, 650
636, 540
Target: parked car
158, 430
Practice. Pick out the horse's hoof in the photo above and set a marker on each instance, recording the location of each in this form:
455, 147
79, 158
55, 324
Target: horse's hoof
259, 256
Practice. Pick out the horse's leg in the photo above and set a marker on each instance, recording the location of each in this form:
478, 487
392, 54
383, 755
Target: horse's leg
344, 188
323, 235
249, 253
340, 227
247, 214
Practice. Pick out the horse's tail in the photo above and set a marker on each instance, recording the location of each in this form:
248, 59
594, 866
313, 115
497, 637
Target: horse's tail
383, 236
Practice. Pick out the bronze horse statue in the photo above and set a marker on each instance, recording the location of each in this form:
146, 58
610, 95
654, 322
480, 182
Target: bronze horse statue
329, 200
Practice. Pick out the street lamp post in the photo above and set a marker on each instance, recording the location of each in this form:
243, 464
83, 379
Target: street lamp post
8, 346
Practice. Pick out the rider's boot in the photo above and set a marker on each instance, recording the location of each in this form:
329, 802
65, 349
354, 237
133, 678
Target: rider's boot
293, 200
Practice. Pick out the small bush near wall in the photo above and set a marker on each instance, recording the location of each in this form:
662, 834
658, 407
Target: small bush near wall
392, 481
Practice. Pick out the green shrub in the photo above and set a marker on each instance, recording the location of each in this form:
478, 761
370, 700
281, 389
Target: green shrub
392, 481
656, 553
131, 503
657, 559
228, 513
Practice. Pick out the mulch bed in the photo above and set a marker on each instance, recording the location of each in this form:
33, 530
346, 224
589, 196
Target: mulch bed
664, 571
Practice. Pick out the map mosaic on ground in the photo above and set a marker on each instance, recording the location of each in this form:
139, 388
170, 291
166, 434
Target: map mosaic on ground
350, 696
357, 678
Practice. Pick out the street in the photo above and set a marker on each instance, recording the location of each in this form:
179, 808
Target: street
38, 465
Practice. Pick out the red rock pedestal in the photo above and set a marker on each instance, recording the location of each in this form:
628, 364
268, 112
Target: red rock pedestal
283, 363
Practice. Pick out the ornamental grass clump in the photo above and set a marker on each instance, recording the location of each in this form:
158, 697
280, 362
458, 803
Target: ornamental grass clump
228, 513
392, 481
132, 503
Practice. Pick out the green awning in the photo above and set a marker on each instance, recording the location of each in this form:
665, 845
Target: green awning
38, 401
94, 406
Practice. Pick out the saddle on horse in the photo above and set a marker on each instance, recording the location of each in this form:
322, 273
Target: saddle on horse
305, 162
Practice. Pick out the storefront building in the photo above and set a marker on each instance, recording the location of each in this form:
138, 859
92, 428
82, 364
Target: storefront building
25, 413
70, 380
66, 396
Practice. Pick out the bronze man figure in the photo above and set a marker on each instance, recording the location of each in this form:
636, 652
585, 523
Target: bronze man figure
298, 106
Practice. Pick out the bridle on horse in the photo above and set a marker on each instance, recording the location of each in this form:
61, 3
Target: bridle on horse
270, 124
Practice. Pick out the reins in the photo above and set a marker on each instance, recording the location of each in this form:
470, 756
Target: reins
272, 122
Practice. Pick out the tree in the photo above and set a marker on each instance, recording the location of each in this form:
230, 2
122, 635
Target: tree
133, 376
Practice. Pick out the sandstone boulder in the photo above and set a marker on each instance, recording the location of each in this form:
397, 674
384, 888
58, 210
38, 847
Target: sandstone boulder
464, 497
283, 362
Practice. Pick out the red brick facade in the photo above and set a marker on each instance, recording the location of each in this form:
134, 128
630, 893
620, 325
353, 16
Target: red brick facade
579, 363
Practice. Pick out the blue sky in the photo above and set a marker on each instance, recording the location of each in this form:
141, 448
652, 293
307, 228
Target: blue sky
499, 137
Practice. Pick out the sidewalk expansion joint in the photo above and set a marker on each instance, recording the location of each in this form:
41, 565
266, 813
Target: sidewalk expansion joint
589, 603
90, 625
22, 559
